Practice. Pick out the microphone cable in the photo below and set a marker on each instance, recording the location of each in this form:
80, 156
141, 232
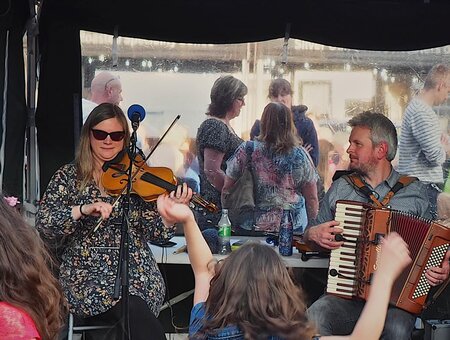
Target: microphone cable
167, 301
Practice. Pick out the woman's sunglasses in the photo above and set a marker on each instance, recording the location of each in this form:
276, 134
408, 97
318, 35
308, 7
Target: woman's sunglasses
101, 135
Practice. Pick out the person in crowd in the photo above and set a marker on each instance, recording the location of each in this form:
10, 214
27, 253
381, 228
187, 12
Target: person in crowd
329, 158
340, 142
69, 212
31, 300
280, 91
422, 146
373, 144
105, 88
284, 175
217, 141
251, 295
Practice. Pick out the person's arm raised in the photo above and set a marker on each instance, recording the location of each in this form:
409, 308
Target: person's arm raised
394, 258
199, 253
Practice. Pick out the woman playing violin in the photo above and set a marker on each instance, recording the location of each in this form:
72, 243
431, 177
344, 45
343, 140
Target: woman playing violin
70, 209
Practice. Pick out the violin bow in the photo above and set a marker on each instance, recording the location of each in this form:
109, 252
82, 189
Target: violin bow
161, 139
100, 220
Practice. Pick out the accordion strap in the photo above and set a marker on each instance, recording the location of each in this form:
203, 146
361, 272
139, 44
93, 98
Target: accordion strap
402, 182
357, 182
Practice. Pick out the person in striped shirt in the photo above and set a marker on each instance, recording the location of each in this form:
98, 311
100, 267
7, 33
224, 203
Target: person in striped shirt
422, 146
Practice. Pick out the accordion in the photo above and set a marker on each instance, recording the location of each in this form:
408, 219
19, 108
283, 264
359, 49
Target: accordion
353, 264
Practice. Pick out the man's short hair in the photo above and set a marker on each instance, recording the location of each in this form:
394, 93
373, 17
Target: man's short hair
438, 73
279, 86
381, 130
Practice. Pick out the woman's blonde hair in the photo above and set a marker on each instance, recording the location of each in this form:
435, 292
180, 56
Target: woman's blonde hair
277, 128
252, 289
84, 159
25, 277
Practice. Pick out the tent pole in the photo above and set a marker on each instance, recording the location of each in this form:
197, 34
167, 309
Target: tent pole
31, 193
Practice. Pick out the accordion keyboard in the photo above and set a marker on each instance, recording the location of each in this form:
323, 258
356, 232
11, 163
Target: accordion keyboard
342, 270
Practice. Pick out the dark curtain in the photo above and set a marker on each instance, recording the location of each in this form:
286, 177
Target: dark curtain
13, 111
57, 117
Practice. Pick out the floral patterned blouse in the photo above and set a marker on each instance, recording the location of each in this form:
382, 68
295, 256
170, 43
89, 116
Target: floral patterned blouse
278, 180
89, 262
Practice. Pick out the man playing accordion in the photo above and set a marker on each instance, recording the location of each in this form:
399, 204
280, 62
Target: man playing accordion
373, 145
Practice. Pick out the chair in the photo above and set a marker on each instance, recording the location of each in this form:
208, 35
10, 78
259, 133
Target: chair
74, 329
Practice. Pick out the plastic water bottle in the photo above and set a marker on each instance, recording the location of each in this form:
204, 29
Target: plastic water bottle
224, 226
286, 234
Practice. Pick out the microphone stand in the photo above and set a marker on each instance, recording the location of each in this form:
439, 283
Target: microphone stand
122, 277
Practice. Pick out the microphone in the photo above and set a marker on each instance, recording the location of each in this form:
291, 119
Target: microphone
136, 114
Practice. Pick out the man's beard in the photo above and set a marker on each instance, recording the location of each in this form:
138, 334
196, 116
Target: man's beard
364, 169
359, 171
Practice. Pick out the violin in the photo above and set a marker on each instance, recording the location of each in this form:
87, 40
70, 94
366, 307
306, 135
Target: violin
147, 182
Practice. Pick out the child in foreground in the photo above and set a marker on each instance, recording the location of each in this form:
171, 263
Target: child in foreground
32, 305
250, 294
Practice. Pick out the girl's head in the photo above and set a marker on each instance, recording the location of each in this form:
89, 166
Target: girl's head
277, 128
253, 290
25, 278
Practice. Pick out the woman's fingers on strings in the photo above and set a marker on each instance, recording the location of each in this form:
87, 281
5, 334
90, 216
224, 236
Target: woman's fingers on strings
184, 189
189, 193
182, 194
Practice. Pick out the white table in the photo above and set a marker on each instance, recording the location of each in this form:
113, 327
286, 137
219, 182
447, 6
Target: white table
166, 255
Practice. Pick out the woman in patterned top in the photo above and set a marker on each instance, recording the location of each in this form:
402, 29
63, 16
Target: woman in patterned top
31, 300
283, 173
69, 210
217, 141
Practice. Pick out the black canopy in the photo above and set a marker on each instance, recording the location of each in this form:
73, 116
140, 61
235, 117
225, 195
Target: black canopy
363, 24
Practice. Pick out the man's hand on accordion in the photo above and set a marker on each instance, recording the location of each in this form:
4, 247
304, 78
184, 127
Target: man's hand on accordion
324, 235
437, 275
